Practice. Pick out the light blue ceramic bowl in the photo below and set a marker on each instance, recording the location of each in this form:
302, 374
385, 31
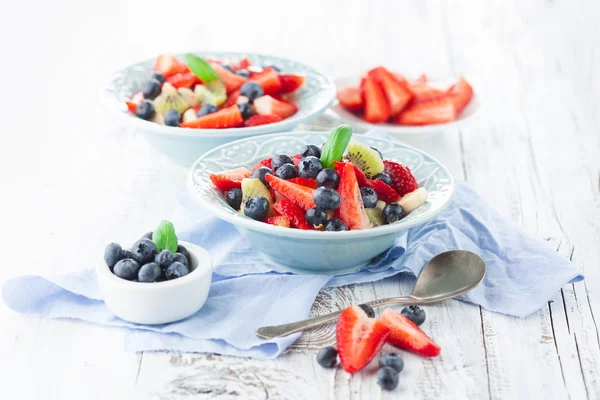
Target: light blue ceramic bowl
313, 251
183, 145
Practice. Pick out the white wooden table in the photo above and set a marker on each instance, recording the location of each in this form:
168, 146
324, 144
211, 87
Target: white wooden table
73, 181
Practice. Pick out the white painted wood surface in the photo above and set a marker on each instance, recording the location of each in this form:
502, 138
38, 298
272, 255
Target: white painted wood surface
72, 181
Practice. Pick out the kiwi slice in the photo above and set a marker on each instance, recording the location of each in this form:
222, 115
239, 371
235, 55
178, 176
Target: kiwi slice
375, 216
204, 95
189, 96
170, 99
365, 158
217, 88
252, 188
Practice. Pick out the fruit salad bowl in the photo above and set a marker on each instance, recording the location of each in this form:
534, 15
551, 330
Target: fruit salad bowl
184, 145
309, 251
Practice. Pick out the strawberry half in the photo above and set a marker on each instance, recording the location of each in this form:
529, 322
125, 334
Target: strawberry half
269, 80
296, 159
403, 181
361, 178
267, 105
264, 163
230, 117
290, 83
406, 335
460, 94
423, 92
376, 106
185, 79
351, 209
384, 191
279, 220
300, 195
438, 111
232, 99
351, 99
257, 120
397, 95
310, 183
359, 338
295, 214
231, 81
168, 64
227, 180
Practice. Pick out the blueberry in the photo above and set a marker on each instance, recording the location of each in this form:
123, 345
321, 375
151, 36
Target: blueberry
387, 378
326, 198
164, 259
143, 251
384, 177
151, 89
159, 77
182, 250
392, 360
243, 72
147, 235
327, 357
172, 118
415, 313
245, 110
393, 212
310, 150
328, 178
178, 257
309, 167
257, 208
260, 174
316, 217
369, 197
272, 66
128, 254
286, 171
368, 310
150, 272
145, 110
377, 150
335, 225
176, 270
127, 269
234, 198
251, 90
113, 254
227, 67
206, 109
279, 160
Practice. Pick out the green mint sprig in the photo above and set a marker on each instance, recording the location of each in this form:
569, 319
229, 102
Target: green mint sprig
335, 146
201, 68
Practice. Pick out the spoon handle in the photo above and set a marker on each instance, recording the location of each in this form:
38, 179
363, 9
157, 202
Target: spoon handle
270, 332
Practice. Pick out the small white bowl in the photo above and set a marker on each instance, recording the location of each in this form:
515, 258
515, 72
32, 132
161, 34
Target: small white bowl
159, 302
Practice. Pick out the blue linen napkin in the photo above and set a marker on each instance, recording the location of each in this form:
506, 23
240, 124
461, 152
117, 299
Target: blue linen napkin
248, 292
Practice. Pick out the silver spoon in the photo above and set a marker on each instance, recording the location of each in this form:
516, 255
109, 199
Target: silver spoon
447, 275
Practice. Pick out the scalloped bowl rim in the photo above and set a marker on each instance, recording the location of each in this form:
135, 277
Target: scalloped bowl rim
245, 222
113, 104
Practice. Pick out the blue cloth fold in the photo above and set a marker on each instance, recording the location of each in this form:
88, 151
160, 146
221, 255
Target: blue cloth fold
248, 292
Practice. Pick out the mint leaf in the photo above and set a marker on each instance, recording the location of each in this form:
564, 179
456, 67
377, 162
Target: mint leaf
164, 237
201, 68
336, 143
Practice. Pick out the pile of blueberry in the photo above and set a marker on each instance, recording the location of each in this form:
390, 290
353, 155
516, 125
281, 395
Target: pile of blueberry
143, 263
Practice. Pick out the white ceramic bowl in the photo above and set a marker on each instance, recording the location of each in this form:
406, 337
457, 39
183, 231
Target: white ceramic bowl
184, 145
159, 302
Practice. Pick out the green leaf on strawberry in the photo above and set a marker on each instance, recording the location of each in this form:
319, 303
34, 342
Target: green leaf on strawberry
201, 68
335, 146
165, 238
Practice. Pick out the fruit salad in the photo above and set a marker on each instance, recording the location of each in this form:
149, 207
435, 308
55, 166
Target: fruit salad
343, 185
212, 94
385, 96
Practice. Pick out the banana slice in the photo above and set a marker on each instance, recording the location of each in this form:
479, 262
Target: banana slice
380, 205
189, 96
414, 200
189, 115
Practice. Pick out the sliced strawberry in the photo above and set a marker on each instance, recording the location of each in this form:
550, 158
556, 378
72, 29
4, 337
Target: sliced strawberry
352, 210
424, 93
361, 178
133, 101
422, 78
310, 183
400, 79
351, 99
406, 335
241, 64
290, 83
295, 214
279, 220
403, 181
301, 195
256, 120
227, 180
376, 106
359, 338
231, 81
460, 94
168, 64
185, 79
231, 99
296, 159
264, 163
397, 95
267, 105
226, 118
438, 111
269, 80
384, 191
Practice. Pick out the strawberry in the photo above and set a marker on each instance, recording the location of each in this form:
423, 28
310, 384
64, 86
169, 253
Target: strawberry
403, 180
296, 159
384, 192
168, 64
351, 210
406, 335
460, 94
279, 220
301, 195
397, 95
267, 105
241, 64
295, 214
423, 92
231, 81
264, 163
351, 99
256, 120
310, 183
361, 178
133, 101
185, 79
422, 78
226, 118
400, 79
438, 111
376, 106
227, 180
231, 99
269, 80
290, 83
359, 338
